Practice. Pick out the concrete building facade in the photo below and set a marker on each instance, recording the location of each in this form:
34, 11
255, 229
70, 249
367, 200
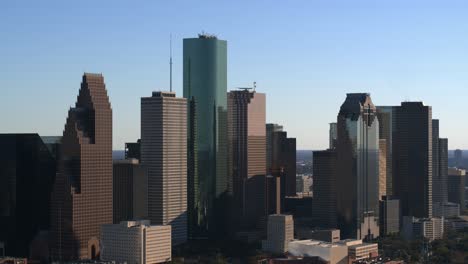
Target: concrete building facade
164, 155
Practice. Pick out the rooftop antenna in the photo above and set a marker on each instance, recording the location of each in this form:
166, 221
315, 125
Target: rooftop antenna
170, 62
248, 88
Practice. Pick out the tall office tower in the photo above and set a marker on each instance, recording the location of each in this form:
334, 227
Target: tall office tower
389, 216
458, 157
436, 194
382, 168
283, 163
324, 201
164, 155
332, 136
412, 156
205, 86
358, 170
130, 191
27, 172
273, 194
456, 187
443, 170
386, 116
247, 159
270, 129
82, 193
132, 150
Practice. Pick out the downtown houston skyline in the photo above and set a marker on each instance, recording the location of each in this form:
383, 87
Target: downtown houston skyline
304, 56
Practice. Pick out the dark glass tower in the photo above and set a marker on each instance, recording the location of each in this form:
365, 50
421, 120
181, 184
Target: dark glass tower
358, 170
82, 192
324, 202
27, 172
412, 157
205, 86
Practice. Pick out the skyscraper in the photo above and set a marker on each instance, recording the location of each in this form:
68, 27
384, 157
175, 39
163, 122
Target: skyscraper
387, 119
270, 129
82, 193
247, 165
332, 135
164, 155
130, 191
205, 86
27, 172
412, 156
358, 170
324, 201
458, 157
456, 187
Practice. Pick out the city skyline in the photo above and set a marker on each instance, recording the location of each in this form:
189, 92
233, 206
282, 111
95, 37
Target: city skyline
340, 51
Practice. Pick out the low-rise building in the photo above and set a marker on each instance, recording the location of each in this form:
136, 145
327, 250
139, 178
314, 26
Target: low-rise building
280, 231
136, 242
362, 251
430, 228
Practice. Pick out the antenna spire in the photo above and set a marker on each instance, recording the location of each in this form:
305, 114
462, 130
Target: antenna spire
170, 62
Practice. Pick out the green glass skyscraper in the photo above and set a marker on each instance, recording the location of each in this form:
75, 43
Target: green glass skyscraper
205, 87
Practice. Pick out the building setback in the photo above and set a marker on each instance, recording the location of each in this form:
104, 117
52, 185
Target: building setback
247, 164
82, 194
164, 155
205, 87
130, 191
358, 170
27, 172
412, 156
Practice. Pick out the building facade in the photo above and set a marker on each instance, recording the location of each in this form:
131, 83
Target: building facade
389, 216
280, 232
382, 168
325, 188
387, 120
247, 149
27, 172
136, 242
205, 87
130, 191
332, 135
358, 170
412, 156
82, 194
456, 187
164, 155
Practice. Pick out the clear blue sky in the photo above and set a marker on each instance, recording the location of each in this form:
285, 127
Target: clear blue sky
305, 55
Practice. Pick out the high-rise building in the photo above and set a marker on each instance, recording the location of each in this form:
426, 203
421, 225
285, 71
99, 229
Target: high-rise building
27, 172
382, 168
458, 156
456, 187
136, 242
332, 136
270, 129
324, 201
358, 170
82, 195
247, 163
387, 119
205, 87
389, 216
130, 191
412, 156
443, 170
164, 155
280, 232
